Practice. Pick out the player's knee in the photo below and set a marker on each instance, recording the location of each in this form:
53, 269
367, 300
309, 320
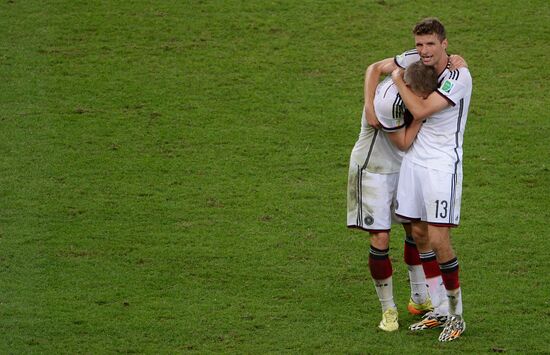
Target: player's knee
380, 240
422, 241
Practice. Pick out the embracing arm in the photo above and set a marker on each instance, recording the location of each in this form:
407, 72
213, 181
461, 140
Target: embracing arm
456, 61
372, 77
404, 138
419, 107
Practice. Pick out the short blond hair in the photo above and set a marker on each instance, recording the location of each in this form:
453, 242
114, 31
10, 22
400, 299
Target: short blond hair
421, 78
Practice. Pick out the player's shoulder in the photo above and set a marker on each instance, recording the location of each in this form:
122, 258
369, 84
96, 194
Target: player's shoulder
404, 59
457, 73
408, 53
384, 87
389, 107
455, 83
461, 75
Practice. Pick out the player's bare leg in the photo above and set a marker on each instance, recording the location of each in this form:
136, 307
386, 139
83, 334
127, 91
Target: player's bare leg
430, 266
381, 272
419, 302
434, 281
440, 238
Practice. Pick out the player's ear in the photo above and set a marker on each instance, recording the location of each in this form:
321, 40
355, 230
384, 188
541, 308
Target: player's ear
445, 44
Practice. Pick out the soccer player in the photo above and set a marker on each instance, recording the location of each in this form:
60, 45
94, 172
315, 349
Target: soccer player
372, 187
429, 193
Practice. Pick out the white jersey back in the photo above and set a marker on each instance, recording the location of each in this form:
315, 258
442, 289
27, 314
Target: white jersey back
438, 144
373, 150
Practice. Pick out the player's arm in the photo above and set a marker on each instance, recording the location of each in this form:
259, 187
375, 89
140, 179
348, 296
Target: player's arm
372, 77
419, 107
404, 138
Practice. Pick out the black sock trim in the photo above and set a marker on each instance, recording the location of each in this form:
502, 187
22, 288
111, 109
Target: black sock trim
376, 253
449, 266
410, 240
428, 256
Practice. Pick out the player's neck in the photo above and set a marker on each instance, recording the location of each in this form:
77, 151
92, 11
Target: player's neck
440, 67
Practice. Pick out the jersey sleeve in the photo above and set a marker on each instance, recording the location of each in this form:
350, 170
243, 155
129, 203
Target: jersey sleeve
405, 59
390, 114
456, 86
391, 125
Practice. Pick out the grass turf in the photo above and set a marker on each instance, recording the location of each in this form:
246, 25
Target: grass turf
174, 176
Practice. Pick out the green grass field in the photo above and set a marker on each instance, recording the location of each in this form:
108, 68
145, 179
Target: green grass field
174, 176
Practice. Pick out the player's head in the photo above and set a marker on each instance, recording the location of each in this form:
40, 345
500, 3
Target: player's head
431, 42
421, 79
428, 26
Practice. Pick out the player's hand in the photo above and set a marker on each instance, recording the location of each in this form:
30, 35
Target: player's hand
372, 120
397, 74
455, 62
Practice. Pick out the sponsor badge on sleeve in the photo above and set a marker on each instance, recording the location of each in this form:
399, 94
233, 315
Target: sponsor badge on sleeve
447, 86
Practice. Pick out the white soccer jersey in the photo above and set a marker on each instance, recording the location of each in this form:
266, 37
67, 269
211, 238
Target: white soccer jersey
438, 145
374, 165
373, 150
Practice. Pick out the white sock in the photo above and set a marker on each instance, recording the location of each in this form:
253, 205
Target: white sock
384, 290
455, 302
438, 295
419, 291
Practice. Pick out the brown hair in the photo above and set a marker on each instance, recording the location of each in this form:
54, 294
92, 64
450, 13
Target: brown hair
421, 78
428, 26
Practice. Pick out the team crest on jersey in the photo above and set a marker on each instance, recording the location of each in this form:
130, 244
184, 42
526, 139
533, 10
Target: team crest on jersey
369, 220
447, 86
